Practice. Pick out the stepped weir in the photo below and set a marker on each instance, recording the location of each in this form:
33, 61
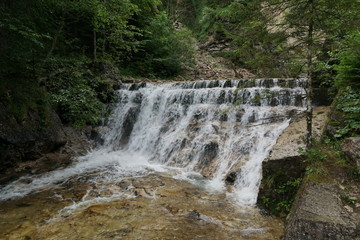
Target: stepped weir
173, 161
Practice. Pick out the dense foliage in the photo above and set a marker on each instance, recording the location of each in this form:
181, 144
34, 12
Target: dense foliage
349, 67
44, 42
55, 47
271, 37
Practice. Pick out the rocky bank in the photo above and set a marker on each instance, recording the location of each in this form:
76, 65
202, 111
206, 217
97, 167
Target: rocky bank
36, 144
320, 213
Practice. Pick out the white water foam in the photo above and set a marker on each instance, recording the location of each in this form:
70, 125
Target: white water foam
202, 131
118, 163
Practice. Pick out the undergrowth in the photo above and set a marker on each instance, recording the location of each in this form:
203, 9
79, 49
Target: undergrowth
282, 195
325, 160
78, 91
348, 103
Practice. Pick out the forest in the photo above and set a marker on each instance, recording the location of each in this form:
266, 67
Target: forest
57, 52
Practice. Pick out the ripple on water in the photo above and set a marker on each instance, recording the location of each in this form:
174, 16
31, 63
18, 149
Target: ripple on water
156, 206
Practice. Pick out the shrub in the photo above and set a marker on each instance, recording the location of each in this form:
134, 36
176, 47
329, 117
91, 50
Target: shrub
165, 52
349, 104
75, 92
349, 67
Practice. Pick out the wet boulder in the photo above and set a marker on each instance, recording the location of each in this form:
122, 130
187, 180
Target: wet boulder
138, 98
239, 114
221, 97
252, 118
210, 151
231, 177
50, 162
97, 134
200, 115
213, 84
200, 84
129, 122
223, 117
227, 84
137, 86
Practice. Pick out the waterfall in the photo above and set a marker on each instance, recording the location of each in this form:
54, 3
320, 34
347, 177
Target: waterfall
212, 129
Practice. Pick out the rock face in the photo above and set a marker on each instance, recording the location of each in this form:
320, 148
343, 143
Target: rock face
30, 138
77, 142
288, 144
37, 144
318, 213
351, 149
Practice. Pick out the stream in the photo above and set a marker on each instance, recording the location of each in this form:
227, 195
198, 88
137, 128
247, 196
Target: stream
174, 161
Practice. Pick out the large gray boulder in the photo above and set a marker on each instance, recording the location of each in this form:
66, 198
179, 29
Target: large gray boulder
351, 149
318, 213
28, 138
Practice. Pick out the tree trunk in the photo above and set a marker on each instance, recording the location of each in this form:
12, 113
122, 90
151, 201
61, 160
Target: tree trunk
94, 42
4, 39
309, 90
55, 39
104, 47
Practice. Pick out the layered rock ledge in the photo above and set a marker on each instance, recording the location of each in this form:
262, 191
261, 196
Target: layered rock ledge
288, 144
318, 213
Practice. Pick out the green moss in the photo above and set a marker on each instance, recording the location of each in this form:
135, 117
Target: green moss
335, 123
325, 160
279, 186
280, 195
354, 173
346, 198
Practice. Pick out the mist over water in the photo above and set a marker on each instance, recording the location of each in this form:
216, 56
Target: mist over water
198, 131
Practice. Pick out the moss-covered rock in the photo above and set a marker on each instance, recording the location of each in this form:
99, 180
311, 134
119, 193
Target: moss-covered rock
280, 183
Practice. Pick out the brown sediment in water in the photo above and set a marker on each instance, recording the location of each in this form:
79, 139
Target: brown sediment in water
152, 207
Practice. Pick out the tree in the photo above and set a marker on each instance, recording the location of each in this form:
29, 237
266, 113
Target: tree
283, 37
252, 45
349, 67
308, 23
112, 32
164, 52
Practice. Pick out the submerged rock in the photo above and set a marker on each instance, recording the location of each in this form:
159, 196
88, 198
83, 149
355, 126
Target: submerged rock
231, 178
194, 215
186, 212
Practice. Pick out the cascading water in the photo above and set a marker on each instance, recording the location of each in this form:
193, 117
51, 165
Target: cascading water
210, 127
202, 131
